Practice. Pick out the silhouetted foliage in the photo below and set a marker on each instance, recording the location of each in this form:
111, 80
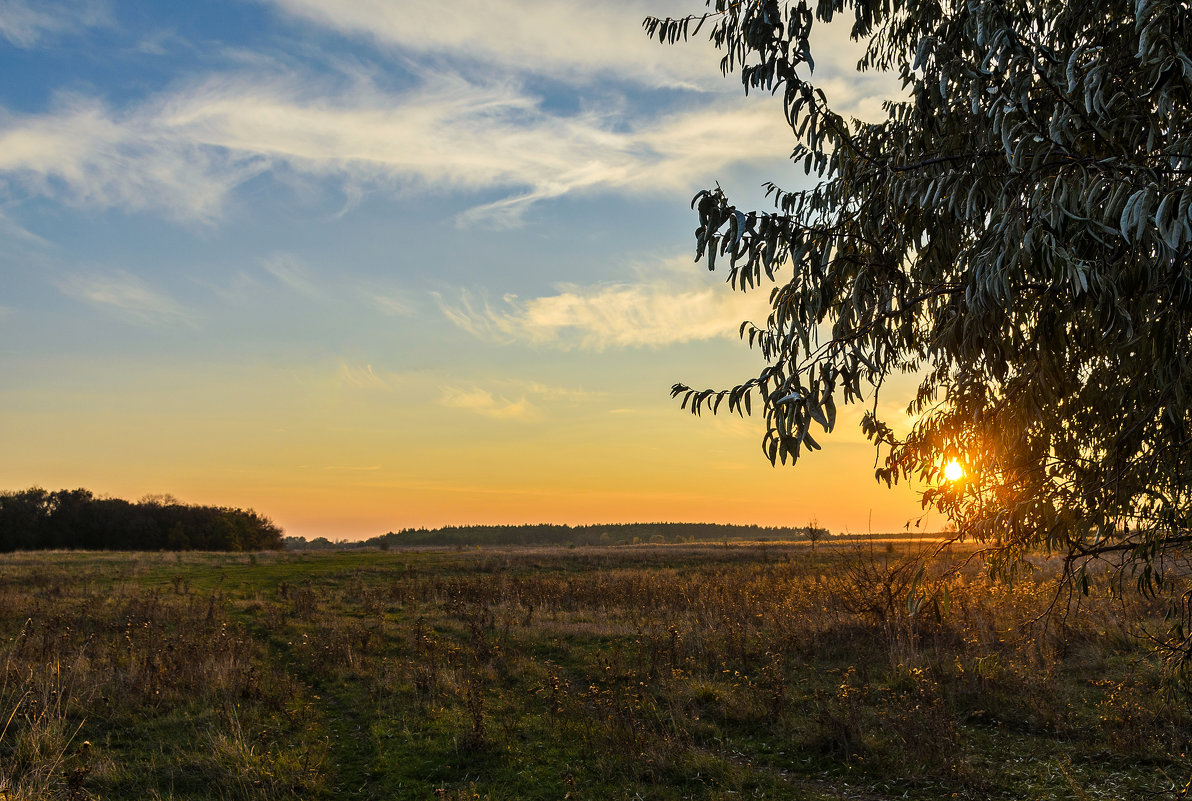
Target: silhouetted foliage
1017, 230
36, 519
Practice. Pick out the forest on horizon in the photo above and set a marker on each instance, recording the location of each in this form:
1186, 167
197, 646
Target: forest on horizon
37, 519
563, 534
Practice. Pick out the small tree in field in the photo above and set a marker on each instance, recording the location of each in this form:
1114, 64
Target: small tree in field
814, 533
1017, 230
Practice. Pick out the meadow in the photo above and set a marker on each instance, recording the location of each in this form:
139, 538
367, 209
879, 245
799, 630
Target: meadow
693, 671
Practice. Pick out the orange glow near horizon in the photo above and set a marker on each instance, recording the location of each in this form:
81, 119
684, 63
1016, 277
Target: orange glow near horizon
345, 461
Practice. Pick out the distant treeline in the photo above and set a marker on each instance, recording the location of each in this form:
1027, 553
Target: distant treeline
35, 519
553, 534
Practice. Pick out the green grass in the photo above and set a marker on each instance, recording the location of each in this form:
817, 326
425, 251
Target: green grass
654, 672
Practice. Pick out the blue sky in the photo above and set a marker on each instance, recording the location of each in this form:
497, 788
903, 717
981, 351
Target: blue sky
374, 264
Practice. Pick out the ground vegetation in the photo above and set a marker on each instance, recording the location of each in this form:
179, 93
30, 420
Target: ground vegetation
696, 671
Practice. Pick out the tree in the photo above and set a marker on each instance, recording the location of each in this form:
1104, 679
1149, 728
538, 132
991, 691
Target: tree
1017, 230
814, 533
35, 519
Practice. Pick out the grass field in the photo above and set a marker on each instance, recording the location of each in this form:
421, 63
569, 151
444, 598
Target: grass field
651, 672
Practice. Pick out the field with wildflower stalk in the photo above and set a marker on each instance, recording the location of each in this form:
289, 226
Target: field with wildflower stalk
654, 672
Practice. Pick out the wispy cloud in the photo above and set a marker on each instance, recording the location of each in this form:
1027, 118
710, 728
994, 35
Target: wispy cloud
482, 402
651, 313
281, 272
26, 25
452, 134
393, 306
580, 41
184, 153
565, 39
85, 154
159, 43
549, 392
287, 270
126, 296
363, 377
389, 300
503, 398
15, 231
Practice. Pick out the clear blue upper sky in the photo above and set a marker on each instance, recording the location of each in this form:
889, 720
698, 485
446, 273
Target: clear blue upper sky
380, 263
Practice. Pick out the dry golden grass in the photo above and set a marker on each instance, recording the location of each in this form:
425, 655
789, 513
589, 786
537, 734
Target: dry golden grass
669, 671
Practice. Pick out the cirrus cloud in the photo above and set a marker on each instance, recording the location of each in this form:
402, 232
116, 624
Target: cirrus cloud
126, 296
650, 313
565, 39
26, 25
482, 402
185, 152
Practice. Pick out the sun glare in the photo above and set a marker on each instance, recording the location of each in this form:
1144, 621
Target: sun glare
953, 471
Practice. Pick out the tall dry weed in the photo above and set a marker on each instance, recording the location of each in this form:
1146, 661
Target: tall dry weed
42, 706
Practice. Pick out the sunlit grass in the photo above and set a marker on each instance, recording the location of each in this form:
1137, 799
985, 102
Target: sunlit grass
666, 671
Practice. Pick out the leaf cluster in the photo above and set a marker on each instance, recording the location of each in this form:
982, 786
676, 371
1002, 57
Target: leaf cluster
1017, 232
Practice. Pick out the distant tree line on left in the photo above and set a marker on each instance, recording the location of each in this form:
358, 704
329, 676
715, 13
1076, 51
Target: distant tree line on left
37, 519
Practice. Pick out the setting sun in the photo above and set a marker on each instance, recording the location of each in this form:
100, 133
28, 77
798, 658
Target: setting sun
953, 471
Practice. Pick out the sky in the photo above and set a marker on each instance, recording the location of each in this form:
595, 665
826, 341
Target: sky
393, 263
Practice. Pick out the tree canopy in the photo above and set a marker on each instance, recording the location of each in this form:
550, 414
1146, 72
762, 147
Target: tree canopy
36, 519
1017, 231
